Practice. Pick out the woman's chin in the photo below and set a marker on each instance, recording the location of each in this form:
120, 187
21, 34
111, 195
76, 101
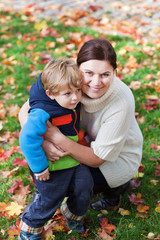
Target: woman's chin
93, 94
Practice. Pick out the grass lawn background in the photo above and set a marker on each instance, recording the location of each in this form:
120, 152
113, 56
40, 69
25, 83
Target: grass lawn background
26, 45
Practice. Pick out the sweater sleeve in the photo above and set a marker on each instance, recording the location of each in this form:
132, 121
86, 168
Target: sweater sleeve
113, 131
31, 140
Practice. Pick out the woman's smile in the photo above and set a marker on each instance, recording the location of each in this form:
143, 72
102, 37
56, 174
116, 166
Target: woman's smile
97, 77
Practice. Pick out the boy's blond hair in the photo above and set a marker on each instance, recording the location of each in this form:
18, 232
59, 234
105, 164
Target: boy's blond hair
61, 72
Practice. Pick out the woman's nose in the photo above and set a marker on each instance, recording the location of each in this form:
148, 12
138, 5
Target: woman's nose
96, 80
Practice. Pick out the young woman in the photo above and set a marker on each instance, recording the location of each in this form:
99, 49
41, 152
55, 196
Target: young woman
108, 116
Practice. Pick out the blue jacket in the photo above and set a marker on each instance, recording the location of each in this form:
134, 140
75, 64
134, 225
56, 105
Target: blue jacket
42, 108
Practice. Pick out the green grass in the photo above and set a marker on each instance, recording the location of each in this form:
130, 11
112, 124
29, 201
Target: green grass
16, 34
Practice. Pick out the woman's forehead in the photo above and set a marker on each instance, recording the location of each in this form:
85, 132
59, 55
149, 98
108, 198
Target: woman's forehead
99, 66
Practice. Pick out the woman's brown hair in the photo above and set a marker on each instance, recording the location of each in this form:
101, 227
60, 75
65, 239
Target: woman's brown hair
99, 49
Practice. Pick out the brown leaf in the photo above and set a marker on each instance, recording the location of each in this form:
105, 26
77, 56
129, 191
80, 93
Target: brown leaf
13, 110
8, 174
20, 199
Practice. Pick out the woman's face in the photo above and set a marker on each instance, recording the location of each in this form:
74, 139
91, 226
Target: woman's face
97, 77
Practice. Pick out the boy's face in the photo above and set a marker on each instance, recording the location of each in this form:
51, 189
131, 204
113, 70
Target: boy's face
67, 98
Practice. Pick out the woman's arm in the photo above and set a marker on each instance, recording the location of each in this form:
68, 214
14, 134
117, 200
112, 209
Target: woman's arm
23, 114
81, 153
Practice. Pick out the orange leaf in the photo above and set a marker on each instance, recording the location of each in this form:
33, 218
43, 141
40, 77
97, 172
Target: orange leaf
157, 209
13, 231
142, 209
107, 227
103, 235
30, 47
50, 44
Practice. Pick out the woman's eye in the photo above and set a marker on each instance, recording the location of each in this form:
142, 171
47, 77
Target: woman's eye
78, 90
105, 75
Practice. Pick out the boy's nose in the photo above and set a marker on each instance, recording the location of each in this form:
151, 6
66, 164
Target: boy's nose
74, 97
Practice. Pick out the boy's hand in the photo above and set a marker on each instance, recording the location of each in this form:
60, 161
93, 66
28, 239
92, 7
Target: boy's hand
44, 176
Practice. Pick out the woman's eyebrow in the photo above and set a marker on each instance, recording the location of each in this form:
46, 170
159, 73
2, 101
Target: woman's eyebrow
105, 72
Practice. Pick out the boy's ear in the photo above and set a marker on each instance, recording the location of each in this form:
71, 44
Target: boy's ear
51, 96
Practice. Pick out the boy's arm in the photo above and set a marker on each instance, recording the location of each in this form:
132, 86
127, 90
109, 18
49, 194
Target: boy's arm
31, 140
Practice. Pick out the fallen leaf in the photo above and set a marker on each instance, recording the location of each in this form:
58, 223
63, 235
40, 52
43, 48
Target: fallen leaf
20, 162
157, 209
8, 174
106, 226
104, 211
123, 212
103, 235
13, 110
142, 209
14, 186
135, 85
14, 209
151, 235
135, 199
13, 231
50, 44
40, 25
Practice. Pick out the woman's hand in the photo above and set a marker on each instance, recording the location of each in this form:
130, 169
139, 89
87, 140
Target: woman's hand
53, 134
52, 152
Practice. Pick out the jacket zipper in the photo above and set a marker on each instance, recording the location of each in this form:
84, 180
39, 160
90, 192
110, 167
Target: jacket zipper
74, 125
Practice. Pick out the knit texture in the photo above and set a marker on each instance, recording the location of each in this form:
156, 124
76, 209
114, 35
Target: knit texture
69, 215
114, 132
24, 227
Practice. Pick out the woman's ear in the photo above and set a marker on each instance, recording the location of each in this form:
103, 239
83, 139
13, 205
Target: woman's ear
51, 96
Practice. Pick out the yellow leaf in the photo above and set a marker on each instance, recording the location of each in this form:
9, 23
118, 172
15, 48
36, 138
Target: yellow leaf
122, 51
157, 209
14, 209
138, 174
123, 212
104, 211
154, 182
58, 228
40, 26
19, 42
130, 225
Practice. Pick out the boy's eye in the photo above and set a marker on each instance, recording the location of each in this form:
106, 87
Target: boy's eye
67, 94
78, 90
89, 73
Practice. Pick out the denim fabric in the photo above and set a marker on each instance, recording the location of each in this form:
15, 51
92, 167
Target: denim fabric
101, 185
76, 183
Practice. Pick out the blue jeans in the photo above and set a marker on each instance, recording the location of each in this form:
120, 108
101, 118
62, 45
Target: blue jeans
75, 183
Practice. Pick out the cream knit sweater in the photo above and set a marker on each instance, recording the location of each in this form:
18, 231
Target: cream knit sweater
114, 133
